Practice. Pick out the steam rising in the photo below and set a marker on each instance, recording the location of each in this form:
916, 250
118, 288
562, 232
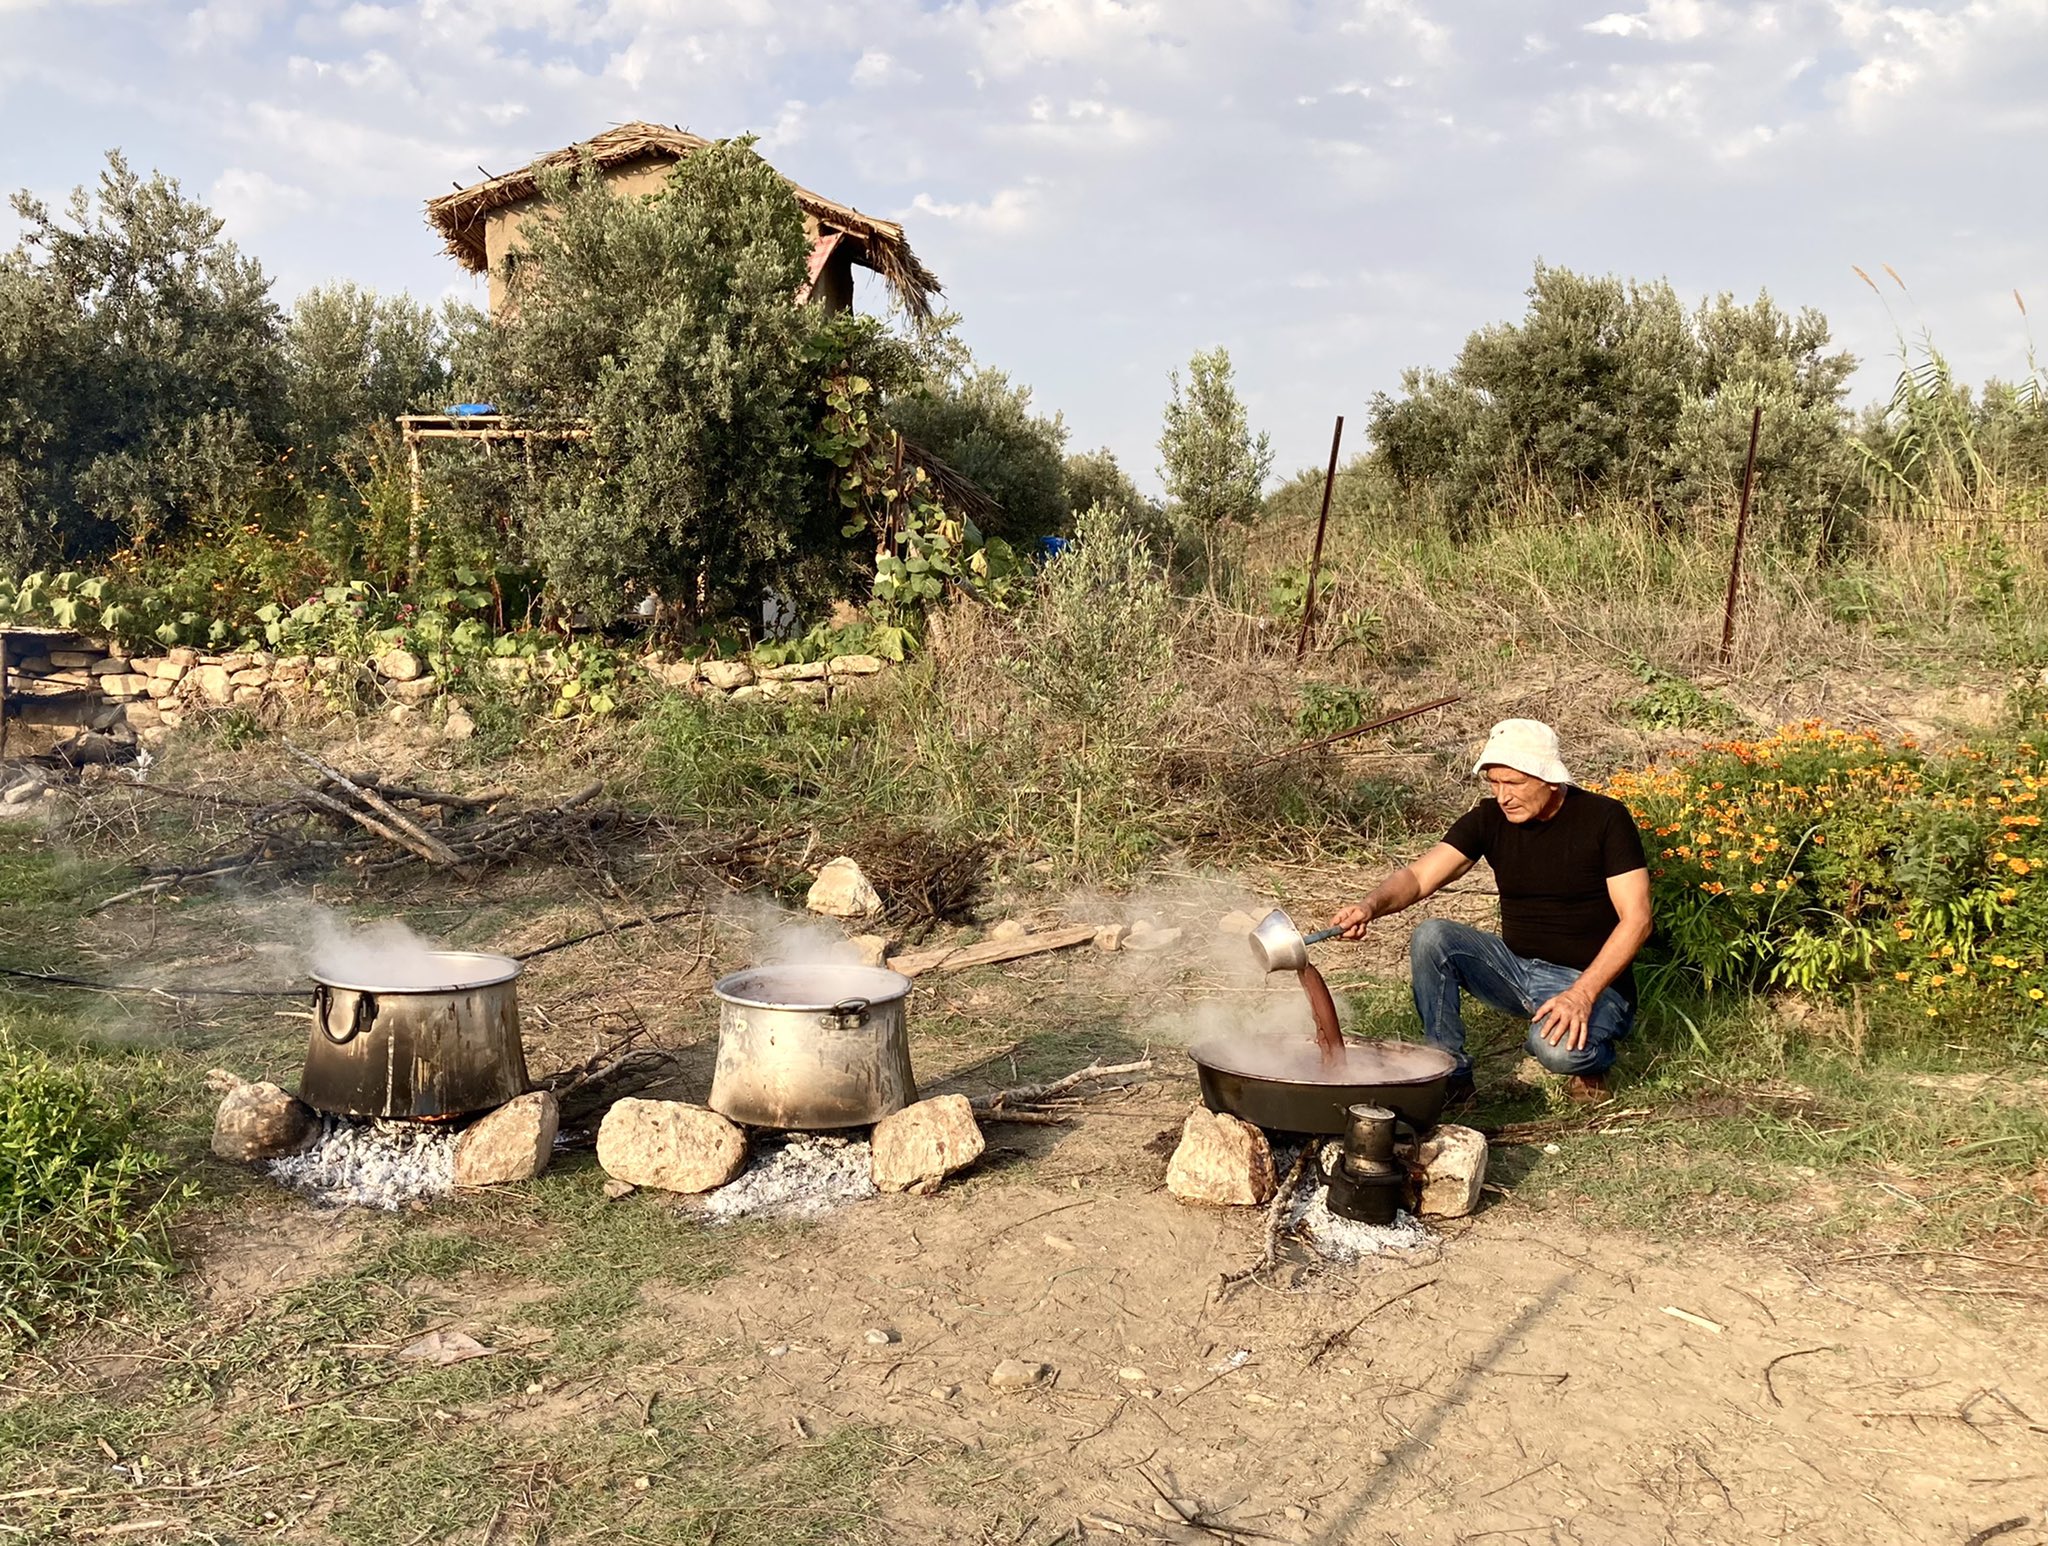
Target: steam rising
778, 937
383, 954
1206, 984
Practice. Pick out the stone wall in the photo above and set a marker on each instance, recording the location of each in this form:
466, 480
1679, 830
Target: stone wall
151, 694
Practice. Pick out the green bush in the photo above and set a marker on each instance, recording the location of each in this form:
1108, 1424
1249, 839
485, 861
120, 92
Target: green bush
83, 1203
1822, 859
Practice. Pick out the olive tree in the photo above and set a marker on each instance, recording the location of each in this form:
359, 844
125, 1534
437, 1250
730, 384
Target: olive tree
1611, 389
1213, 467
667, 328
139, 371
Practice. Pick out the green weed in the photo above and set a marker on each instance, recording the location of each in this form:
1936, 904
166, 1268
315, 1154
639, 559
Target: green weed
84, 1203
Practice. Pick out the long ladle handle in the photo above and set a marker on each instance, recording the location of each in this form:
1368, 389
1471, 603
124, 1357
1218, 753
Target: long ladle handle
1320, 935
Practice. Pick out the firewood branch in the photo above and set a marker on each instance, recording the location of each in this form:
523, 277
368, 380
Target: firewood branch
1031, 1094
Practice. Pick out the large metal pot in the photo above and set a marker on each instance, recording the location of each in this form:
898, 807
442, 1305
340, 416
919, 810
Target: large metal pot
436, 1036
812, 1047
1287, 1084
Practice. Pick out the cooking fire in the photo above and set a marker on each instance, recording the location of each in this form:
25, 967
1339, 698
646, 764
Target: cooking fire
415, 1085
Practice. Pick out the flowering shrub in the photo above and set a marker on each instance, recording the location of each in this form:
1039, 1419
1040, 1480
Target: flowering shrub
1820, 858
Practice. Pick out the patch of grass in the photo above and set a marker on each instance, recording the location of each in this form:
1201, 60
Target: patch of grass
42, 892
85, 1203
1673, 703
1747, 1128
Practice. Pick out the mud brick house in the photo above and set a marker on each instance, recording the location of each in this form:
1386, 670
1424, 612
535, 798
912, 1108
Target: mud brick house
480, 224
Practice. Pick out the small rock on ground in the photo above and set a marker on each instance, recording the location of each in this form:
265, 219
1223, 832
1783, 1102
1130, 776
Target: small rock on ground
1453, 1160
1015, 1374
513, 1143
669, 1144
842, 891
259, 1122
1221, 1161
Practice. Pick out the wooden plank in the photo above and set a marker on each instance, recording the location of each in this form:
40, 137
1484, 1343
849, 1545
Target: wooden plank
955, 958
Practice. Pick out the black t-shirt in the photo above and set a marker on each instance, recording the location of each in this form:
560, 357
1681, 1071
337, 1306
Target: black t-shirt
1553, 875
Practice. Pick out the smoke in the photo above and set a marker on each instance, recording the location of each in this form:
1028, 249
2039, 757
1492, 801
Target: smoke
384, 953
1205, 983
775, 936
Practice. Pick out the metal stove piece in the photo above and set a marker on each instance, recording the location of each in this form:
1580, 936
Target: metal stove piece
1367, 1199
1368, 1183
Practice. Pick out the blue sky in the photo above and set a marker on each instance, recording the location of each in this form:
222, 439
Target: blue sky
1333, 191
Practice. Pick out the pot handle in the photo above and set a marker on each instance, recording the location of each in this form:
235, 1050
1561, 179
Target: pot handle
361, 1020
849, 1008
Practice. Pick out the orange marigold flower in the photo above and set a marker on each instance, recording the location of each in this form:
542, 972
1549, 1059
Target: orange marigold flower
2020, 867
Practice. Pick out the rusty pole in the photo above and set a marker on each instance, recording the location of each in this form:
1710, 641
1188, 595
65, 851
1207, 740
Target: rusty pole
1315, 562
1756, 423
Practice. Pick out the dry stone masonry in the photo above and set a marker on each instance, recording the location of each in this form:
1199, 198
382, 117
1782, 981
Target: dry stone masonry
108, 690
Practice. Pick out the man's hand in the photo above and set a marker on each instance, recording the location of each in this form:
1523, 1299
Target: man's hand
1562, 1018
1353, 920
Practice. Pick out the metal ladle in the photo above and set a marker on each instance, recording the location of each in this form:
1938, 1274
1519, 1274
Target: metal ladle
1278, 946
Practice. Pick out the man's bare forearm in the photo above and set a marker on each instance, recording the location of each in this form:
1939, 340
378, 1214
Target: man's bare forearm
1628, 937
1402, 889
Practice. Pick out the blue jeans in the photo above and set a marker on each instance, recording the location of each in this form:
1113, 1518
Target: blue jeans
1447, 958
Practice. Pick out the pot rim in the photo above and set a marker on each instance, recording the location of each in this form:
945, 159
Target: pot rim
483, 970
1226, 1055
876, 985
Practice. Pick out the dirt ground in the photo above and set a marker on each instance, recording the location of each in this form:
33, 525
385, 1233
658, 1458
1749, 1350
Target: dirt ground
1524, 1379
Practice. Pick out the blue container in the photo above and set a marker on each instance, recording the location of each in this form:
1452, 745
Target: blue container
470, 410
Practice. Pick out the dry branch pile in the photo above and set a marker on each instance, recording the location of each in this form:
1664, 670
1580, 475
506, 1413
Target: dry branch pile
362, 822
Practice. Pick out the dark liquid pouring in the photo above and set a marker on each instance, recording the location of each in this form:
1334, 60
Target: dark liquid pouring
1329, 1038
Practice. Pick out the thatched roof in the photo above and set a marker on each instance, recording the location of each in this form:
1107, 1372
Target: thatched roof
877, 244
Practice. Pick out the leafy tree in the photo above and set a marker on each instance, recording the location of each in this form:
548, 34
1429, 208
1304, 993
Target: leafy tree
667, 326
1611, 389
355, 359
1090, 478
981, 425
1212, 465
1755, 356
139, 371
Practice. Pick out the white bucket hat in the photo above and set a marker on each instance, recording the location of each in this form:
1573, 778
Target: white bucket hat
1526, 745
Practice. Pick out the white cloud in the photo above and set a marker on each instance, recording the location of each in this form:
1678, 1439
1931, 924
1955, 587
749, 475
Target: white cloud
229, 23
371, 21
1024, 33
876, 67
1008, 210
253, 203
1617, 24
787, 129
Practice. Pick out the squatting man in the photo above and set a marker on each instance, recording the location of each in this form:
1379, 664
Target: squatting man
1574, 910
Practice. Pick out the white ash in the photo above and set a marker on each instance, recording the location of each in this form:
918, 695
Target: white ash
1346, 1240
1338, 1239
372, 1164
801, 1177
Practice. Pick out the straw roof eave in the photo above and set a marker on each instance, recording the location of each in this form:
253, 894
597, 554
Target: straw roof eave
879, 245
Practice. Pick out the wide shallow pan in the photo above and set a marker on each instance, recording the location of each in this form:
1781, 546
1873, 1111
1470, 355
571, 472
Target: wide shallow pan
1285, 1083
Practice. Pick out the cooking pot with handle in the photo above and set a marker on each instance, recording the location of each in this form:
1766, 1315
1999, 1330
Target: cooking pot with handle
436, 1035
812, 1047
